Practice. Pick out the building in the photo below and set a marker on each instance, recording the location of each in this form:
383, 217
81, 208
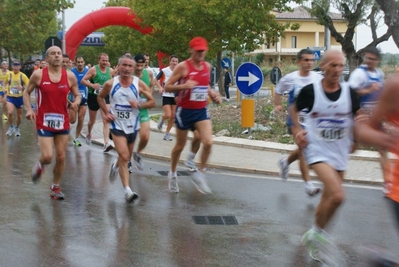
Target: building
309, 34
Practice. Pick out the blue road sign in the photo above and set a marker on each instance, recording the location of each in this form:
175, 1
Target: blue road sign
316, 54
249, 78
225, 63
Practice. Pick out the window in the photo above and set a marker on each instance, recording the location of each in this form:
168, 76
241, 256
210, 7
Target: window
293, 41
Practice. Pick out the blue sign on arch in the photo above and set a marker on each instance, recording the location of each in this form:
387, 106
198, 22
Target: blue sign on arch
249, 78
93, 39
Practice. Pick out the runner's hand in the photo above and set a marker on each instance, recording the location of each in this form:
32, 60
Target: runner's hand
30, 115
300, 139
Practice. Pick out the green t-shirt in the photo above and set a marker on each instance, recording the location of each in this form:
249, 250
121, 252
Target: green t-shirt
100, 78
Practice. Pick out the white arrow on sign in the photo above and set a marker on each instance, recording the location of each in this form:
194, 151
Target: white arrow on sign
251, 79
225, 64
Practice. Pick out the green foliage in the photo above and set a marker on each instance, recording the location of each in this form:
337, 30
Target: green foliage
26, 24
222, 23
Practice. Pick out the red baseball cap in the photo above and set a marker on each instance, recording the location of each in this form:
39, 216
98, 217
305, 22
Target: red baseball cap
198, 43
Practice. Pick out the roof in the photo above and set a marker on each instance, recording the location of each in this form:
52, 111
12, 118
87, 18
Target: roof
301, 13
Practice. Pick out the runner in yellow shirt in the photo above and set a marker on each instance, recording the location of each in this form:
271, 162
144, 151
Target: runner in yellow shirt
16, 82
3, 88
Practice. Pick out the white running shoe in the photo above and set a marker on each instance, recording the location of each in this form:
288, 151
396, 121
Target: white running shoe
130, 196
321, 248
10, 131
173, 183
88, 139
284, 168
312, 190
160, 124
138, 161
200, 183
167, 137
190, 164
107, 147
113, 173
17, 132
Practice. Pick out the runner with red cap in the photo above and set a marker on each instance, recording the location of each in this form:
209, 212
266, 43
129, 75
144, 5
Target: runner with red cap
190, 79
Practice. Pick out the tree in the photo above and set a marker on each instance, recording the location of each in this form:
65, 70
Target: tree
354, 12
26, 24
391, 19
233, 25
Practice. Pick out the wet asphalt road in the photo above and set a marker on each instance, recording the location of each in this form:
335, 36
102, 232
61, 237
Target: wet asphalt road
94, 226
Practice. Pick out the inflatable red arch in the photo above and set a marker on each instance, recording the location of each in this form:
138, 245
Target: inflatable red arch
107, 16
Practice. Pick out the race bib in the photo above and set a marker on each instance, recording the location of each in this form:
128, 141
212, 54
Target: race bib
199, 93
123, 112
82, 94
331, 129
54, 121
14, 91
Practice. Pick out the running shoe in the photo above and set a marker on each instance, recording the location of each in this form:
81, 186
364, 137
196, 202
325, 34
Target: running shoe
5, 117
190, 164
17, 132
37, 172
167, 137
10, 131
77, 143
88, 139
320, 247
312, 190
160, 123
173, 183
129, 167
130, 196
107, 147
113, 173
284, 168
138, 161
56, 193
200, 183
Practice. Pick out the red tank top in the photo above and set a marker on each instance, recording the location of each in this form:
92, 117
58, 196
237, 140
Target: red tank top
196, 98
52, 105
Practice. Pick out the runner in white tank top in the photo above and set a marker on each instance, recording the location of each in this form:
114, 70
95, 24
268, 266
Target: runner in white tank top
123, 117
327, 141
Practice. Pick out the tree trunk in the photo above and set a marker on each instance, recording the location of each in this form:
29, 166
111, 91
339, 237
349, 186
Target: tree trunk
219, 67
391, 18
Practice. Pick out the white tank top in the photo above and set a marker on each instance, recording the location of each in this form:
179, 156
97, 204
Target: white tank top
168, 72
329, 128
126, 117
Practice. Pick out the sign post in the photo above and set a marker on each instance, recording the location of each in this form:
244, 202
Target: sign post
249, 79
52, 41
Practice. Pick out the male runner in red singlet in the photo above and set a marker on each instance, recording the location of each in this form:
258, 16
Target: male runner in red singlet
193, 87
53, 85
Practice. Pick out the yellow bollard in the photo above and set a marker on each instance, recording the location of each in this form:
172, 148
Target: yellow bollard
247, 113
238, 96
272, 90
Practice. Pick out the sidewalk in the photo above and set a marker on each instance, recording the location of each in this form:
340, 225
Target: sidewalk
251, 156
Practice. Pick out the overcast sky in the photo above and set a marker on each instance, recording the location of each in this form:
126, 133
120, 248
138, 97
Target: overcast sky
83, 7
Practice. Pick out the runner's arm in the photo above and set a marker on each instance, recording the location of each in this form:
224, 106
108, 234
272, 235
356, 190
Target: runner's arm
73, 85
178, 73
88, 76
145, 90
101, 99
33, 83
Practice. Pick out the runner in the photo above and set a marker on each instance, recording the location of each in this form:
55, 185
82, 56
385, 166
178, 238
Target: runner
80, 71
193, 76
168, 99
124, 91
368, 82
3, 87
148, 78
326, 140
292, 83
16, 82
373, 132
53, 85
99, 74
